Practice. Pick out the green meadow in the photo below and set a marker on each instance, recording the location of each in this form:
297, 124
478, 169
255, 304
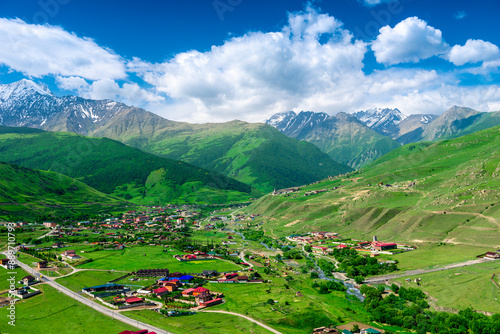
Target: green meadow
429, 255
463, 287
200, 323
151, 257
87, 278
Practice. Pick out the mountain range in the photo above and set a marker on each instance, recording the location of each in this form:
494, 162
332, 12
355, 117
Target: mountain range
290, 149
359, 138
255, 154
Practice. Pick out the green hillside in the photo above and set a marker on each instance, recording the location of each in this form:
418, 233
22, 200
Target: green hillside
423, 192
114, 168
253, 153
33, 194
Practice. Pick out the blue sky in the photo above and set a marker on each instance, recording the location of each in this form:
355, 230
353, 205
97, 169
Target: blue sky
247, 59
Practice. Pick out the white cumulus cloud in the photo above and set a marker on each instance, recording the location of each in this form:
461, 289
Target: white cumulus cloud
260, 73
39, 50
474, 50
410, 41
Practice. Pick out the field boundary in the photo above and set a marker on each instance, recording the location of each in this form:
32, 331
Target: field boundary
493, 280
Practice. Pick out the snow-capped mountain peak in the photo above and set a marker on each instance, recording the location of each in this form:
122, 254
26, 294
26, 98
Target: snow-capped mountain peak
26, 103
22, 89
279, 118
291, 123
382, 120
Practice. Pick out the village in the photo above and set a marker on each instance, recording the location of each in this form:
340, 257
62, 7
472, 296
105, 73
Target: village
176, 262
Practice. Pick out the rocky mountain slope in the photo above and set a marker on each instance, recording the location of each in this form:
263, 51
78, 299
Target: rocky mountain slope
343, 137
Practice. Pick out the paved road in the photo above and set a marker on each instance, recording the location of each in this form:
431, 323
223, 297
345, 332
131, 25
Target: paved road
95, 306
46, 234
249, 319
381, 279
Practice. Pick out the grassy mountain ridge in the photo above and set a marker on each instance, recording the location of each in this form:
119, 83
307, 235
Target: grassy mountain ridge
27, 193
445, 191
252, 153
114, 168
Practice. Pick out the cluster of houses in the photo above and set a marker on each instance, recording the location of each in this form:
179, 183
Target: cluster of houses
196, 296
313, 237
314, 192
235, 278
153, 216
321, 238
285, 191
202, 296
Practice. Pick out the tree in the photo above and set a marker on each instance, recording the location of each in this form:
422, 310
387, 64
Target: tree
323, 289
394, 288
308, 248
381, 288
359, 279
270, 301
355, 328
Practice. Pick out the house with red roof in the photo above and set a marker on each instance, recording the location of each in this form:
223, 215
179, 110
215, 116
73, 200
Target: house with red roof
200, 290
319, 249
188, 292
161, 291
230, 276
134, 300
381, 246
212, 302
492, 255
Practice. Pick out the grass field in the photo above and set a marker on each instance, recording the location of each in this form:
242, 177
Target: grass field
53, 312
200, 323
87, 278
27, 259
463, 287
431, 255
136, 258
